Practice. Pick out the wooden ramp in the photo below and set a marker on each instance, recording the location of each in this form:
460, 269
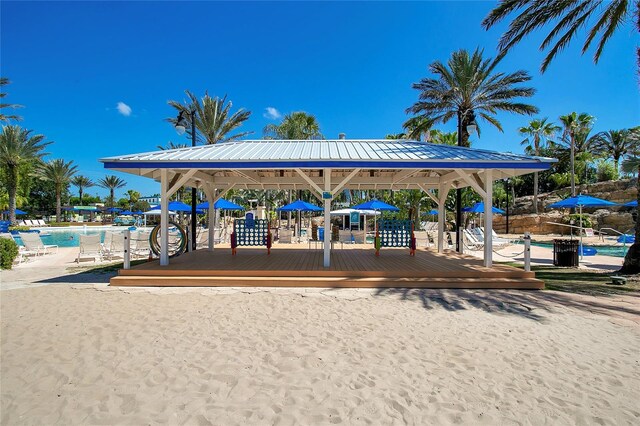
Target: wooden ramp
350, 267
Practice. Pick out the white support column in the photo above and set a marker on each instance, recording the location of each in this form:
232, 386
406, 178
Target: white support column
443, 191
211, 222
488, 218
164, 218
327, 219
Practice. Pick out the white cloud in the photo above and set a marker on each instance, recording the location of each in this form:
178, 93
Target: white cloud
271, 113
124, 109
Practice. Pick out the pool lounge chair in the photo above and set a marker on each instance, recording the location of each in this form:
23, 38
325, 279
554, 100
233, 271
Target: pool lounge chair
90, 246
471, 241
496, 241
33, 242
139, 244
41, 222
359, 237
285, 236
22, 251
115, 245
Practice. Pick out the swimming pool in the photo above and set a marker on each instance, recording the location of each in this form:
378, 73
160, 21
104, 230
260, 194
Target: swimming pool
67, 237
615, 251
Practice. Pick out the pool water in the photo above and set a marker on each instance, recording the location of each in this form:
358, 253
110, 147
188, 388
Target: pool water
63, 238
615, 251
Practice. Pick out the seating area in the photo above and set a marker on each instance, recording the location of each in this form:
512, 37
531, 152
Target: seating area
40, 223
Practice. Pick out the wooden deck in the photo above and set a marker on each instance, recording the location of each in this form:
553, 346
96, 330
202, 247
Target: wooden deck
350, 267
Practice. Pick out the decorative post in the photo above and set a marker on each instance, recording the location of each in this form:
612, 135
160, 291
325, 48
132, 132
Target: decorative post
127, 249
527, 252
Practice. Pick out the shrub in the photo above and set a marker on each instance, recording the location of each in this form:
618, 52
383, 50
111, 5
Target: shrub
586, 220
606, 170
8, 253
19, 228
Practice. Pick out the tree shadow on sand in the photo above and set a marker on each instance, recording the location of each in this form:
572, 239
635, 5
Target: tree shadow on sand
532, 304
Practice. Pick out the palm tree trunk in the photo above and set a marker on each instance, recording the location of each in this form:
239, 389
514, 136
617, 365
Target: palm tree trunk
573, 171
80, 193
58, 204
535, 192
631, 263
13, 190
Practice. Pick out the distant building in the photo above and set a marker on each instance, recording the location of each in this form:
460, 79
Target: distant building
152, 200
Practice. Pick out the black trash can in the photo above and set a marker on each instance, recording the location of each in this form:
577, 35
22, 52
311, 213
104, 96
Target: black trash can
565, 252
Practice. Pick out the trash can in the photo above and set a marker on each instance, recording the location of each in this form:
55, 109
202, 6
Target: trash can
320, 234
565, 252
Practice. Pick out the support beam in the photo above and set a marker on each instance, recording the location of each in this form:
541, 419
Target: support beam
429, 193
472, 181
344, 182
181, 182
311, 182
327, 219
488, 218
164, 218
443, 191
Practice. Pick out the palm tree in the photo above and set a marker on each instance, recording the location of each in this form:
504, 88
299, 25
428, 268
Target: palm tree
111, 183
60, 173
537, 132
18, 149
295, 126
134, 196
631, 264
214, 121
395, 136
82, 182
567, 18
6, 118
576, 128
172, 145
444, 138
467, 85
615, 143
418, 127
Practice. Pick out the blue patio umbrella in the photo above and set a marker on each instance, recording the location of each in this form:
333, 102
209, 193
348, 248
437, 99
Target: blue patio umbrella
581, 201
126, 212
113, 210
378, 206
433, 212
221, 204
138, 212
479, 208
300, 205
633, 203
18, 212
179, 206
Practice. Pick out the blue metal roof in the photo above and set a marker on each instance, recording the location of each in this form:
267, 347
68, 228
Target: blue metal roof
340, 153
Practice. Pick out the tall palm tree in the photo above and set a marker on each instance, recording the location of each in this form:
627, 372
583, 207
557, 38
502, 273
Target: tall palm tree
60, 173
297, 125
214, 120
418, 127
82, 182
538, 132
444, 138
566, 17
616, 143
172, 145
467, 85
18, 149
111, 183
6, 118
576, 128
631, 264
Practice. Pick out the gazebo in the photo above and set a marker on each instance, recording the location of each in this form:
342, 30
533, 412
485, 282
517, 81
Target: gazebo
326, 167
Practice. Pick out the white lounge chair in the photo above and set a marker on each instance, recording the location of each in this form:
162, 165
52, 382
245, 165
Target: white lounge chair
41, 222
22, 251
33, 242
285, 236
496, 241
359, 237
114, 246
471, 241
90, 246
422, 238
140, 244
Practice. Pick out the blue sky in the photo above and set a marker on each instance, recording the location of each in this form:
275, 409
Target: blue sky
350, 64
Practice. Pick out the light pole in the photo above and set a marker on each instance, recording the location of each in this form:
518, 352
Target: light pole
506, 183
181, 128
471, 128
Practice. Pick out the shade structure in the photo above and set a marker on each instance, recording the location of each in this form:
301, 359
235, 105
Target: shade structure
633, 203
376, 205
581, 201
18, 212
221, 204
179, 206
156, 212
138, 212
300, 205
126, 212
479, 208
113, 210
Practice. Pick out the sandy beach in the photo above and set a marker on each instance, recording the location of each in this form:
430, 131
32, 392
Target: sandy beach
92, 354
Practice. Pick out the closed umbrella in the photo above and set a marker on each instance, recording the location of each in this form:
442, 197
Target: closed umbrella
581, 201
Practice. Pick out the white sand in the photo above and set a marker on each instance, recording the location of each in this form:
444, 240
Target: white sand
90, 355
